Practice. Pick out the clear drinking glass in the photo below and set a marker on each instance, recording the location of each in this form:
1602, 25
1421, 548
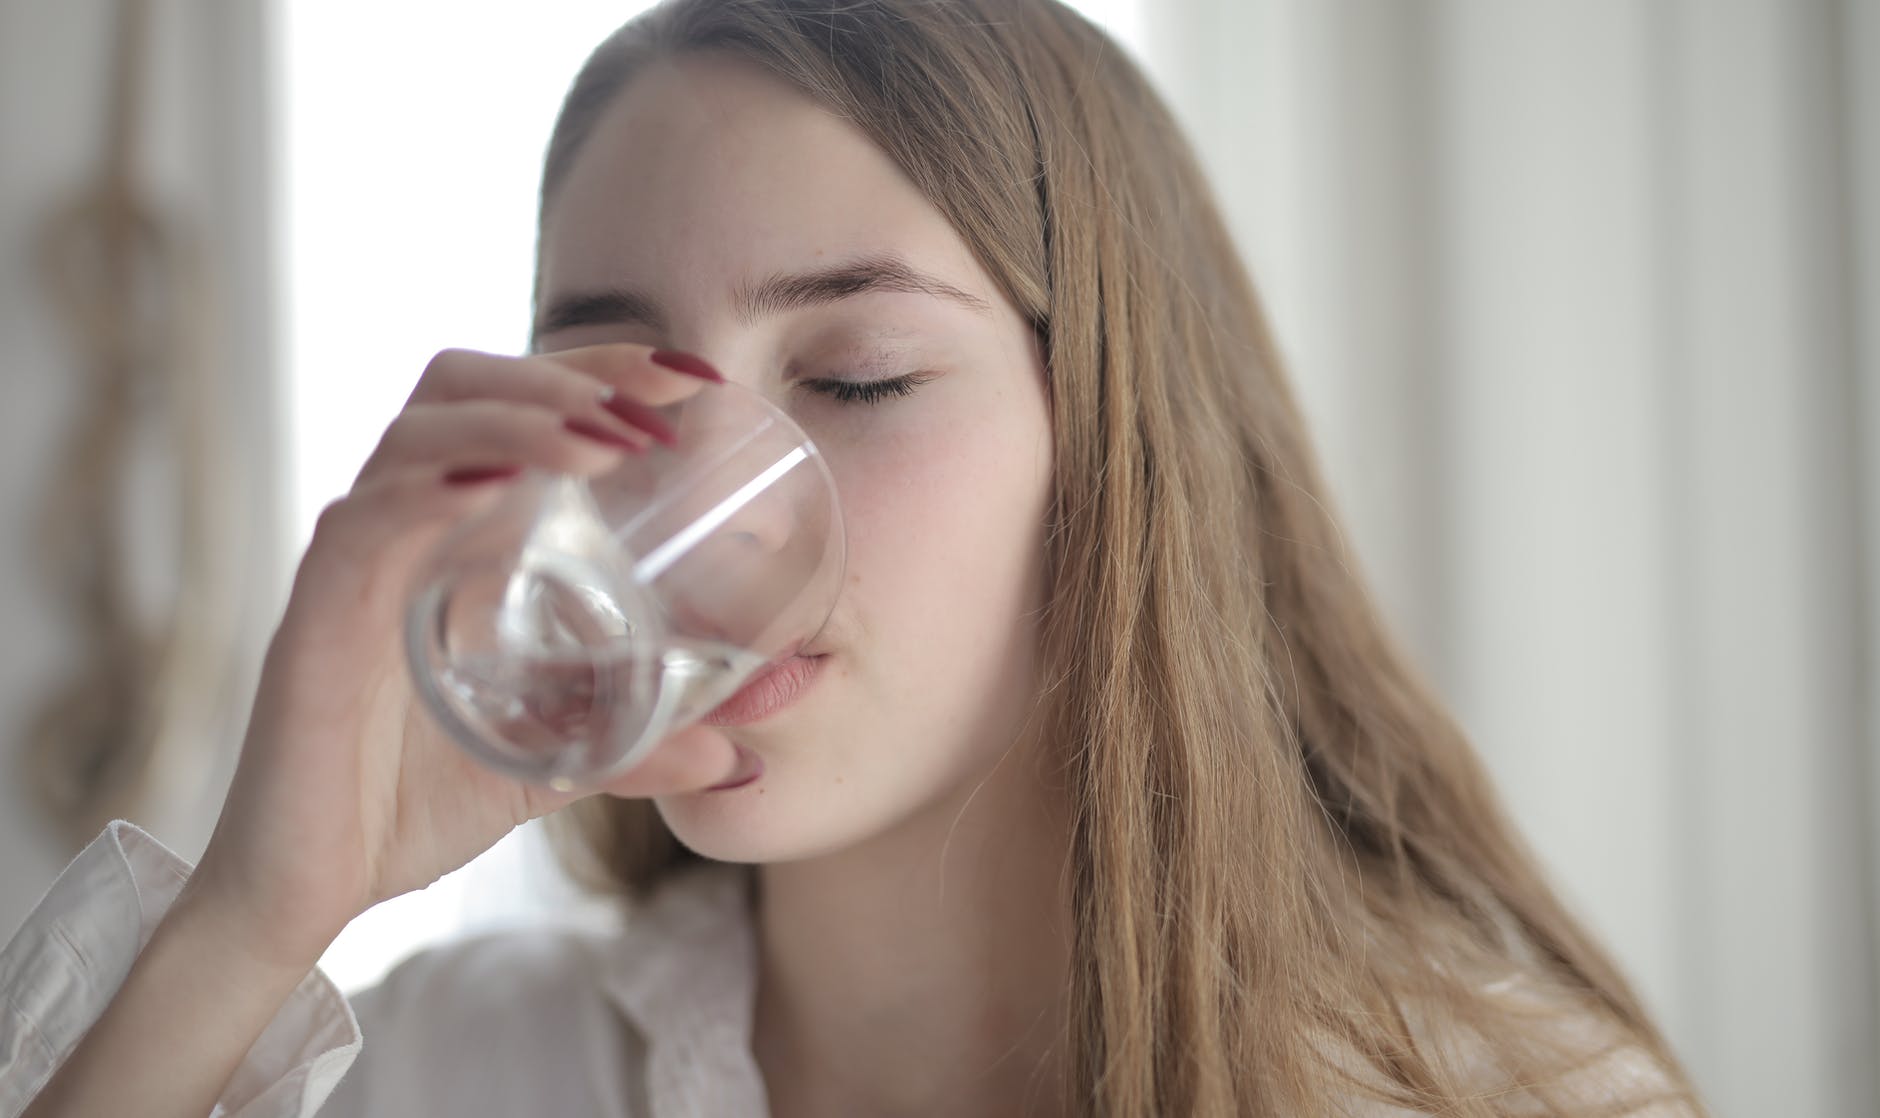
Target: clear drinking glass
563, 634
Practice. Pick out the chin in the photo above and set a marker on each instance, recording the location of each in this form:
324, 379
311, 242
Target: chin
749, 825
798, 810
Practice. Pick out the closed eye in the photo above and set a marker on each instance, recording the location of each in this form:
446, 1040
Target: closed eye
866, 391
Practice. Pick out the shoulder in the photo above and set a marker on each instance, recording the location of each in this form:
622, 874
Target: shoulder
1537, 1050
1611, 1068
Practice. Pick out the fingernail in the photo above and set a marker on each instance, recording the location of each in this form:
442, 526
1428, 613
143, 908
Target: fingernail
639, 415
476, 475
687, 364
588, 429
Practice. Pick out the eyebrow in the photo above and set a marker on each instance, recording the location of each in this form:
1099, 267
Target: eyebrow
785, 291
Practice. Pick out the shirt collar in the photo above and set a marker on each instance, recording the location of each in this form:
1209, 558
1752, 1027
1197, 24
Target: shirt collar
684, 972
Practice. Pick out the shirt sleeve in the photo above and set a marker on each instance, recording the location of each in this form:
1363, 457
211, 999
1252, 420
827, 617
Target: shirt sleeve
66, 962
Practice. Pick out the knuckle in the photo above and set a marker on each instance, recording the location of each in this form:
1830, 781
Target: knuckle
401, 436
445, 361
395, 434
444, 368
333, 519
335, 532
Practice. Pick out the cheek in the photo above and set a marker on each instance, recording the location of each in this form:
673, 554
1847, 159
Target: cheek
945, 531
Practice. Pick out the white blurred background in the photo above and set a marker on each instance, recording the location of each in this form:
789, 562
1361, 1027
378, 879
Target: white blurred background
1583, 297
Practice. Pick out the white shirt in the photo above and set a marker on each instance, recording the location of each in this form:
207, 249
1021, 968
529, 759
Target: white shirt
651, 1019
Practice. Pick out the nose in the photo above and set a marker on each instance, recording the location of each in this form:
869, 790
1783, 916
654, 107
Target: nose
760, 513
752, 547
738, 501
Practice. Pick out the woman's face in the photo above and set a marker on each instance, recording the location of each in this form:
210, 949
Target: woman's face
708, 180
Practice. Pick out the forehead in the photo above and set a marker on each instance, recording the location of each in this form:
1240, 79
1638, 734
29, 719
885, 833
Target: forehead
705, 171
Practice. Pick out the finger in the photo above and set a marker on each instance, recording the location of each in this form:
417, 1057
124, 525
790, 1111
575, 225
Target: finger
690, 760
493, 431
577, 390
366, 546
563, 378
467, 374
655, 376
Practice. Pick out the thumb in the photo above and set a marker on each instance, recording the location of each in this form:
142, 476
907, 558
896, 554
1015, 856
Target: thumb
689, 761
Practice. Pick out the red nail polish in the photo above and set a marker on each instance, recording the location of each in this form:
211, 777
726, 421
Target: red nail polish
588, 429
687, 364
641, 416
476, 475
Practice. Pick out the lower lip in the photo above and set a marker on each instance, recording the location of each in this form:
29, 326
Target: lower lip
767, 692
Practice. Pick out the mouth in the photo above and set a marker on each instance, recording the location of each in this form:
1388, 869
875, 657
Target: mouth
772, 689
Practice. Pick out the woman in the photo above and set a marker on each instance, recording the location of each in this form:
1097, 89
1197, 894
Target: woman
1110, 794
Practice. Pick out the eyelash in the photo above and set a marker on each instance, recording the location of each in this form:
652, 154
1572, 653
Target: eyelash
866, 391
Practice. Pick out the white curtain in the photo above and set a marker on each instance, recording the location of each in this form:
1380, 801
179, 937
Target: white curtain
1581, 297
205, 164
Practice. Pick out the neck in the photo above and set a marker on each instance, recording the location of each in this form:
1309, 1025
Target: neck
923, 972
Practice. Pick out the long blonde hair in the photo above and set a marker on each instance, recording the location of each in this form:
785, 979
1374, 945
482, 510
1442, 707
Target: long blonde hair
1293, 884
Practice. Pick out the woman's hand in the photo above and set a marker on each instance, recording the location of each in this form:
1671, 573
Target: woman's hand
347, 792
